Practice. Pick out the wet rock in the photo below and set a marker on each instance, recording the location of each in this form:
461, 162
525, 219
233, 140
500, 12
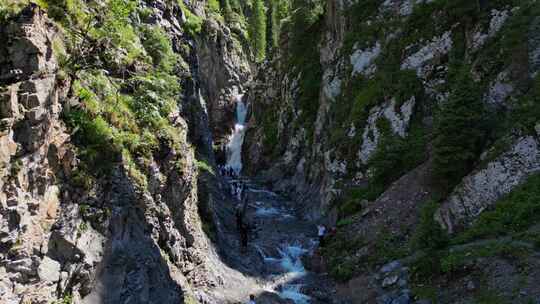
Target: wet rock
402, 299
389, 281
390, 267
384, 299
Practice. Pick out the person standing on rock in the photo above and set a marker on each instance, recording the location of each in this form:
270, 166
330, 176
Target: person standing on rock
321, 231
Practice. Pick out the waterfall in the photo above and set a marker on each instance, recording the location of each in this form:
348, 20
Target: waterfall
234, 147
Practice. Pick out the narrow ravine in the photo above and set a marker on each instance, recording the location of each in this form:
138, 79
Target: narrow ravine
281, 239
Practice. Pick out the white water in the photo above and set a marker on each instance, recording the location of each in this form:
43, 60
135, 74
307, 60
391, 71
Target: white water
292, 268
290, 258
266, 212
234, 147
293, 292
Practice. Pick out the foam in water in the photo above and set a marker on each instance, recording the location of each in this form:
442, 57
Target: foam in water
234, 147
292, 292
290, 258
263, 211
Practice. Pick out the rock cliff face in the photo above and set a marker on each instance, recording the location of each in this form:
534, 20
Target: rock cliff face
112, 240
338, 149
366, 154
410, 125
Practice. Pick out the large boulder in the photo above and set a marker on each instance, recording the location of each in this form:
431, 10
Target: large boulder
486, 186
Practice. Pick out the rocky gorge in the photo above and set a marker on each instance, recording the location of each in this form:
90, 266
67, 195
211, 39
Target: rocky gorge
410, 127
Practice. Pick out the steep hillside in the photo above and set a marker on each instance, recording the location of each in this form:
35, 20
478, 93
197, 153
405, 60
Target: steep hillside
185, 151
382, 116
105, 137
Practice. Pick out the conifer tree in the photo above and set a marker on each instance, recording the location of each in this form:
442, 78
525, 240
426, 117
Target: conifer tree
257, 30
459, 131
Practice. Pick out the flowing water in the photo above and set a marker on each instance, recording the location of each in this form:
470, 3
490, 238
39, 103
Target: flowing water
234, 147
281, 239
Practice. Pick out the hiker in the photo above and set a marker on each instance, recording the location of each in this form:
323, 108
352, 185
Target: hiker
251, 299
321, 231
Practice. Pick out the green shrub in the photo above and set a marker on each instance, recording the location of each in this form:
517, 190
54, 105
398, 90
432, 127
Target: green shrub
193, 22
213, 6
339, 253
158, 45
395, 155
428, 234
10, 8
387, 247
202, 165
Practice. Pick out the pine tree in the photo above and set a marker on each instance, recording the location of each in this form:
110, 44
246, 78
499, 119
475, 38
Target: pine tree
459, 131
257, 30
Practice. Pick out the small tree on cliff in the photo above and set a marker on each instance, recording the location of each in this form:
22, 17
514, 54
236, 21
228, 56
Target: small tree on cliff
257, 30
459, 130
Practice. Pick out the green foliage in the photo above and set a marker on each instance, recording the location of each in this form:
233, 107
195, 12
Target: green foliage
344, 222
305, 33
339, 253
426, 268
10, 8
525, 114
257, 30
158, 45
202, 165
486, 296
279, 10
514, 213
362, 34
429, 235
459, 130
97, 34
66, 299
214, 6
424, 291
455, 260
350, 203
16, 167
387, 247
96, 136
193, 22
396, 155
